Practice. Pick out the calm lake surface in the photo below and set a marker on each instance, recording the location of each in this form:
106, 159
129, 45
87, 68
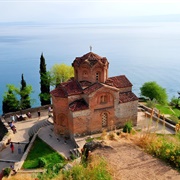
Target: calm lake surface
143, 52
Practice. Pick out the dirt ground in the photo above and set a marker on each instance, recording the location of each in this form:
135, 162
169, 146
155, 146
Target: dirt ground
127, 161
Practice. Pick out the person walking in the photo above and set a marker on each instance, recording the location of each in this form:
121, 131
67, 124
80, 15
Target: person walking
12, 147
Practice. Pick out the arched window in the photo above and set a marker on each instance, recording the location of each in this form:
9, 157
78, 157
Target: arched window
104, 119
103, 99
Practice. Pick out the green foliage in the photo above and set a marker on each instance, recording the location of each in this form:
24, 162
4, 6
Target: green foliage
6, 171
151, 103
60, 73
42, 162
25, 101
175, 102
44, 82
154, 91
172, 111
94, 170
166, 148
41, 150
127, 127
10, 101
17, 98
89, 139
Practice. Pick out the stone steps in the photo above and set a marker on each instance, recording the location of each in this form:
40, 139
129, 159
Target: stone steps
34, 129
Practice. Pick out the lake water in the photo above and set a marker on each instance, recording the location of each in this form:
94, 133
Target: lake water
143, 52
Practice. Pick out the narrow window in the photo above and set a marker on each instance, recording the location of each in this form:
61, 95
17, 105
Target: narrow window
103, 99
104, 119
97, 76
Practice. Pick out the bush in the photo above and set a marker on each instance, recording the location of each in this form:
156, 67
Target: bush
42, 162
127, 127
6, 171
151, 103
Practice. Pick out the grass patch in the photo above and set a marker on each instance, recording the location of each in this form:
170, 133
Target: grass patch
95, 169
168, 110
40, 150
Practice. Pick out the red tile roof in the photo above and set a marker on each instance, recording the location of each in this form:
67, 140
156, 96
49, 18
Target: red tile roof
92, 88
85, 83
72, 87
59, 92
90, 58
78, 105
127, 97
68, 88
118, 81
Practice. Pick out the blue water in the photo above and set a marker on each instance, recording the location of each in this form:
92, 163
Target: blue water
143, 52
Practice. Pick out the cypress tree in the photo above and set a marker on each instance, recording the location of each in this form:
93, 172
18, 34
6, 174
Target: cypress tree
24, 93
44, 83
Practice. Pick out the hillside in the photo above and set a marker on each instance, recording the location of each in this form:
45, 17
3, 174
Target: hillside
128, 161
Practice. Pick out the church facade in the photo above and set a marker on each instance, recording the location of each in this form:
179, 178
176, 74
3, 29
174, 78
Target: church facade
91, 101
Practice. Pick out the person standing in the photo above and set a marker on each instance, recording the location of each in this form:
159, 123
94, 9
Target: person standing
39, 114
12, 147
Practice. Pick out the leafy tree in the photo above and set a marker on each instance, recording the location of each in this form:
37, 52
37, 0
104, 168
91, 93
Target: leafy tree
154, 91
10, 102
60, 73
24, 94
17, 98
44, 83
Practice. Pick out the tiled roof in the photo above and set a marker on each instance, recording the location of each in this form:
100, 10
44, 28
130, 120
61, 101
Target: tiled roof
127, 97
68, 88
78, 105
59, 92
90, 58
85, 83
92, 88
118, 81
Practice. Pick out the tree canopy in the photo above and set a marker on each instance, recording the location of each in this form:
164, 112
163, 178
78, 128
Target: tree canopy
10, 102
17, 98
60, 73
154, 91
24, 94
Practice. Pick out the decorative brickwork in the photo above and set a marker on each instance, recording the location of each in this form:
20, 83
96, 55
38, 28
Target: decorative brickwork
91, 101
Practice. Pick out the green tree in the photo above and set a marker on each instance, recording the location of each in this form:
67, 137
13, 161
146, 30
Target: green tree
60, 73
17, 98
44, 83
10, 102
25, 101
154, 91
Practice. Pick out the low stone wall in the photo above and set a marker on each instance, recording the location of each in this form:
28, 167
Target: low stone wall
10, 134
158, 117
7, 137
19, 164
25, 111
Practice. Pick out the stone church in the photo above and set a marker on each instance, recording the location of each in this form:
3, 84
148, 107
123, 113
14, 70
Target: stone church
91, 101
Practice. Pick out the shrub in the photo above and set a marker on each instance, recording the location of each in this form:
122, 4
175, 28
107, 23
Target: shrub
151, 103
42, 162
6, 171
127, 127
112, 136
